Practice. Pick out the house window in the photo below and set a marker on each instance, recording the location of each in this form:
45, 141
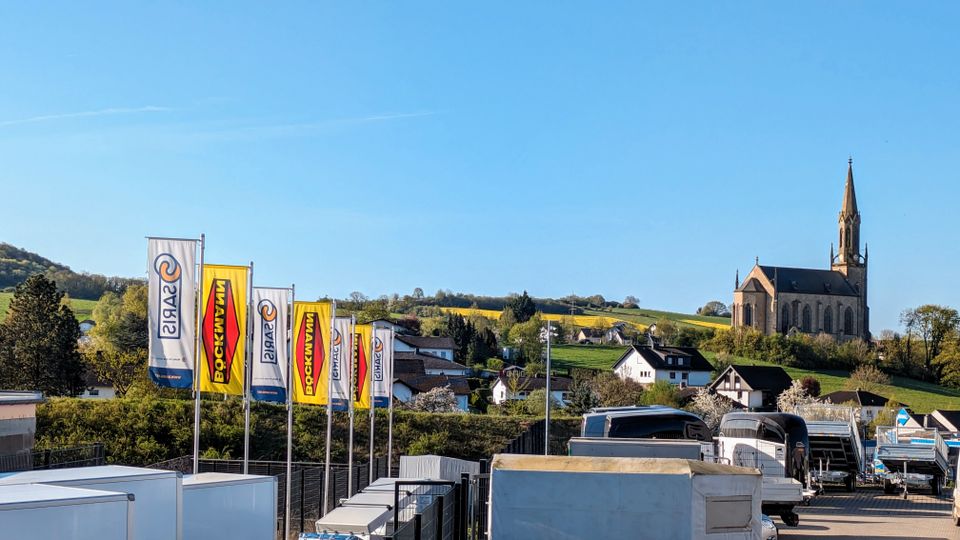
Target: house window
669, 360
685, 376
679, 360
736, 381
739, 394
673, 374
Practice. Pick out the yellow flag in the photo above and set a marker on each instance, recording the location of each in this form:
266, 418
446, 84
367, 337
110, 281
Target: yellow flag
362, 335
223, 329
311, 331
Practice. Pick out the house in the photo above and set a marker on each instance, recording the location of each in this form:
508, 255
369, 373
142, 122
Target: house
94, 388
646, 364
519, 387
944, 421
616, 336
426, 364
589, 335
395, 325
407, 385
441, 347
18, 421
870, 404
754, 387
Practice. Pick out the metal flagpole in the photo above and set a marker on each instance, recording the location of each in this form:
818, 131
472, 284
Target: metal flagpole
354, 353
196, 365
286, 498
373, 405
546, 420
326, 466
390, 412
248, 361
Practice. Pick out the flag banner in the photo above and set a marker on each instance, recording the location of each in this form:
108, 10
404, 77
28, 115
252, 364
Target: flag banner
171, 311
223, 329
340, 366
362, 334
268, 375
382, 367
311, 324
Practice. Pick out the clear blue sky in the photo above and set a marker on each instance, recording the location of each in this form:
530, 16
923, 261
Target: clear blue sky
558, 147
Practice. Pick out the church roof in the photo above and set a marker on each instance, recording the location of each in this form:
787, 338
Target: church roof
849, 207
809, 281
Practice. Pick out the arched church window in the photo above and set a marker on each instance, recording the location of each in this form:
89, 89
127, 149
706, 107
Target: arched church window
848, 322
828, 320
747, 315
806, 324
785, 319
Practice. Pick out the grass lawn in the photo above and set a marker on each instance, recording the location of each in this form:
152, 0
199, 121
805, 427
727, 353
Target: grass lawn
83, 309
585, 356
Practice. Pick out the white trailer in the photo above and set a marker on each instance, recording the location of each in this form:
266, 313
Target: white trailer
602, 497
234, 506
158, 493
836, 453
648, 448
42, 511
911, 452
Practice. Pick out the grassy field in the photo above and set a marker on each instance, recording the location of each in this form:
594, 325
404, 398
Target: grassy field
646, 317
81, 308
921, 397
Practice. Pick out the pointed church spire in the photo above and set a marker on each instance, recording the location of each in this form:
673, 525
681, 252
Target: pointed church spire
831, 253
736, 282
849, 207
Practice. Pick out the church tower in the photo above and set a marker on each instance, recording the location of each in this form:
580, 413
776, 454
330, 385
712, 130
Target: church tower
849, 261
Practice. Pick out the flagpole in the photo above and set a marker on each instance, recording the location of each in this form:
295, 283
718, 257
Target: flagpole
373, 405
354, 353
286, 498
248, 361
546, 419
196, 364
326, 466
390, 411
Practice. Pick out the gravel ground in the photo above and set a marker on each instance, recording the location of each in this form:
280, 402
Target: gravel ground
869, 513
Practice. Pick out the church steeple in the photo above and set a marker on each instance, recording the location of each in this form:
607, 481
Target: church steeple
849, 224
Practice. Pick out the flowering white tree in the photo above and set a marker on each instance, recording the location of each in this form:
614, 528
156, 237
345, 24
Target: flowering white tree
437, 400
711, 407
793, 397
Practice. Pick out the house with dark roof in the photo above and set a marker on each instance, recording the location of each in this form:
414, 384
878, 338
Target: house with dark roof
754, 387
510, 387
397, 325
588, 335
870, 404
944, 420
408, 385
616, 336
646, 364
780, 299
427, 364
439, 346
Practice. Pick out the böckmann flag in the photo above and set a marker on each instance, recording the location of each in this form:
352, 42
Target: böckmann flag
268, 366
311, 329
381, 375
223, 328
172, 312
362, 334
340, 367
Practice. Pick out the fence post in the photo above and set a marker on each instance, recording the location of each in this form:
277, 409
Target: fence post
461, 522
46, 458
99, 454
302, 478
417, 524
440, 512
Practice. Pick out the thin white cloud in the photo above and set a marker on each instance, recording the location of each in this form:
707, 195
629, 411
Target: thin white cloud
303, 129
82, 114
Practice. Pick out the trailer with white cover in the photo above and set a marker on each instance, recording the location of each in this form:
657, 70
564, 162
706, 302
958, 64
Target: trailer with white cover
836, 453
908, 452
234, 506
158, 493
368, 514
41, 511
609, 497
648, 448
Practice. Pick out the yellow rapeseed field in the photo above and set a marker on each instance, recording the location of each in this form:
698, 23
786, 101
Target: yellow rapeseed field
577, 320
706, 324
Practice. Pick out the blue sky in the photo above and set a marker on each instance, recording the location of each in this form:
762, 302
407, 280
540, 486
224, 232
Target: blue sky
557, 147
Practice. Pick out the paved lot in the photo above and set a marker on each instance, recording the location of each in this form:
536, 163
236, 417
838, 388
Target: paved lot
869, 513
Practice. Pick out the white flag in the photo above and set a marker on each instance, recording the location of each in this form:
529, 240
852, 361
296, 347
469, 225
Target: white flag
171, 311
382, 367
340, 367
270, 358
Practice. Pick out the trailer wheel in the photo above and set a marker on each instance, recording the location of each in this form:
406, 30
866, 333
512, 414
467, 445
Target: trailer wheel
850, 482
791, 519
935, 486
887, 486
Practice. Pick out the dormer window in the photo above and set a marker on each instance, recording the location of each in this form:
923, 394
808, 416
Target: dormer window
669, 360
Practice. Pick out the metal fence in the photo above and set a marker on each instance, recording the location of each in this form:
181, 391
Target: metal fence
54, 458
428, 510
306, 484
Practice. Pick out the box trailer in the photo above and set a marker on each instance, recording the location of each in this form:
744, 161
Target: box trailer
836, 453
649, 448
912, 452
605, 497
158, 493
234, 506
43, 511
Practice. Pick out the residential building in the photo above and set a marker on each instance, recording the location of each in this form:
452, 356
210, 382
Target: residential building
754, 387
426, 364
870, 404
615, 336
944, 420
776, 299
589, 335
406, 386
395, 325
441, 347
18, 421
646, 364
96, 388
509, 388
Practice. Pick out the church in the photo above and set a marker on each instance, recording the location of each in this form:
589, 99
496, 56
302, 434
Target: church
776, 299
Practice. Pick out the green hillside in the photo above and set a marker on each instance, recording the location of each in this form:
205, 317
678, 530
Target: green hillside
922, 397
83, 309
647, 317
